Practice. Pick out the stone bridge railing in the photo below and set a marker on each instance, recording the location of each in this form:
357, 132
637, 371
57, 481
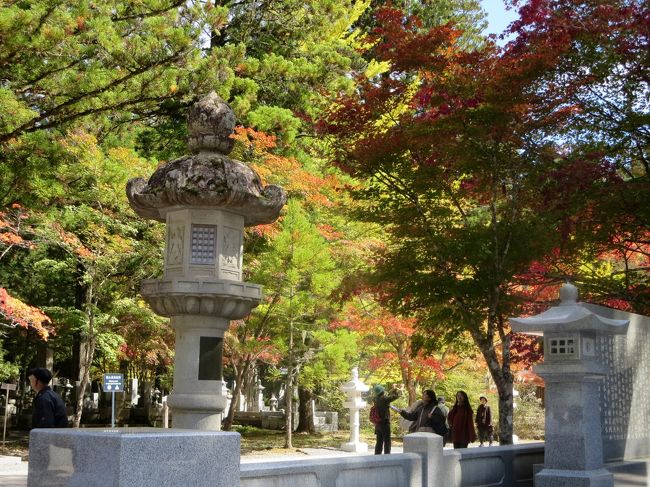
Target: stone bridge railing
423, 463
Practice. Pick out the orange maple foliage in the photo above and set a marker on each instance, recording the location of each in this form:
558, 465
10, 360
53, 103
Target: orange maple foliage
382, 328
18, 313
72, 241
256, 148
10, 227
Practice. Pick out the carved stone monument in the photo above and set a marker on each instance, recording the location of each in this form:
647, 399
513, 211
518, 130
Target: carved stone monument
572, 374
353, 390
205, 199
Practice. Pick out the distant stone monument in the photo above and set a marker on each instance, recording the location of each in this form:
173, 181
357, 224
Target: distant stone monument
205, 199
353, 390
572, 372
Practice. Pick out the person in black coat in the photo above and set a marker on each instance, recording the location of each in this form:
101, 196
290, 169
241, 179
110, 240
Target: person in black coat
484, 422
382, 401
49, 409
421, 414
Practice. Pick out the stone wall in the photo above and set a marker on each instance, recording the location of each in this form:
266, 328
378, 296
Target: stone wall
274, 420
625, 392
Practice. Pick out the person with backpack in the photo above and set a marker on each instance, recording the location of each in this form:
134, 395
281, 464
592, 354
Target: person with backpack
461, 421
380, 417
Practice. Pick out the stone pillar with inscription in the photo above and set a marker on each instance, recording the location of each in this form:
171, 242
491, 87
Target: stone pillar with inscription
573, 451
205, 199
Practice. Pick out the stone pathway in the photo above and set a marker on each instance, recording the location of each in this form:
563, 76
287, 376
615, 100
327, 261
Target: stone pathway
13, 472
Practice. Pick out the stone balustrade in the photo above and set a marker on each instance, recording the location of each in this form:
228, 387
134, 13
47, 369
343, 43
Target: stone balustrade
423, 463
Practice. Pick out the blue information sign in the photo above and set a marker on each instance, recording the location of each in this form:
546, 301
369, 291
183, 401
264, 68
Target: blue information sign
113, 383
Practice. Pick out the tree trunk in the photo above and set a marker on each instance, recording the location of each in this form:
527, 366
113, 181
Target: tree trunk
407, 376
288, 394
288, 418
505, 413
86, 360
234, 403
503, 380
305, 412
411, 387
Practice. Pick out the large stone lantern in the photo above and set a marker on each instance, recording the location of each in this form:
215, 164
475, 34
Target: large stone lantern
205, 199
573, 453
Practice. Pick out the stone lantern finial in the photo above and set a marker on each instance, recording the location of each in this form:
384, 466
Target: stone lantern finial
568, 294
210, 122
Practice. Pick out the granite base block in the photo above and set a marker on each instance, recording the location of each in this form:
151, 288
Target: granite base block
133, 457
574, 478
429, 447
357, 447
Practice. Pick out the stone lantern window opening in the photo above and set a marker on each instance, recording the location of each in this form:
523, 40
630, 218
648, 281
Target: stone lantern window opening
562, 346
204, 244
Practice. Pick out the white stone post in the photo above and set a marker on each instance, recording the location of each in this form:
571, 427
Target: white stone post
573, 453
165, 417
355, 402
259, 393
515, 395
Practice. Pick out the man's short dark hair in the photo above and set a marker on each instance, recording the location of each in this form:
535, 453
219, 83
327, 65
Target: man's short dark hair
41, 374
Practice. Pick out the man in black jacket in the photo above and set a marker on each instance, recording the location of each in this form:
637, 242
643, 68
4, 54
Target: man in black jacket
49, 409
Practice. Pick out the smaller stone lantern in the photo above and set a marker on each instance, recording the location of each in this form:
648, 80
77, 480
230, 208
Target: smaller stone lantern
573, 452
353, 391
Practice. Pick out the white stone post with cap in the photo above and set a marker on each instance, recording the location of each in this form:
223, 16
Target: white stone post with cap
353, 390
573, 451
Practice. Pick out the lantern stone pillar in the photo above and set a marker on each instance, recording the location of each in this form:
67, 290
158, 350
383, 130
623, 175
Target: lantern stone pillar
353, 390
573, 454
205, 200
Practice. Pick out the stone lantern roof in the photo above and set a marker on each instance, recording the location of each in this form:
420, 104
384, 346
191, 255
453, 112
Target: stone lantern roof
355, 385
569, 315
208, 178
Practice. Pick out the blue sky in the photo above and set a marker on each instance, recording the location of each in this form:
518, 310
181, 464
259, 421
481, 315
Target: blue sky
498, 17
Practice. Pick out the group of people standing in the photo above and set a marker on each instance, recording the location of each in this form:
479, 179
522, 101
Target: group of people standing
433, 416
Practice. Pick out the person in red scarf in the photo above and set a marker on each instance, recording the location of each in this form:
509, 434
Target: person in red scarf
461, 421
